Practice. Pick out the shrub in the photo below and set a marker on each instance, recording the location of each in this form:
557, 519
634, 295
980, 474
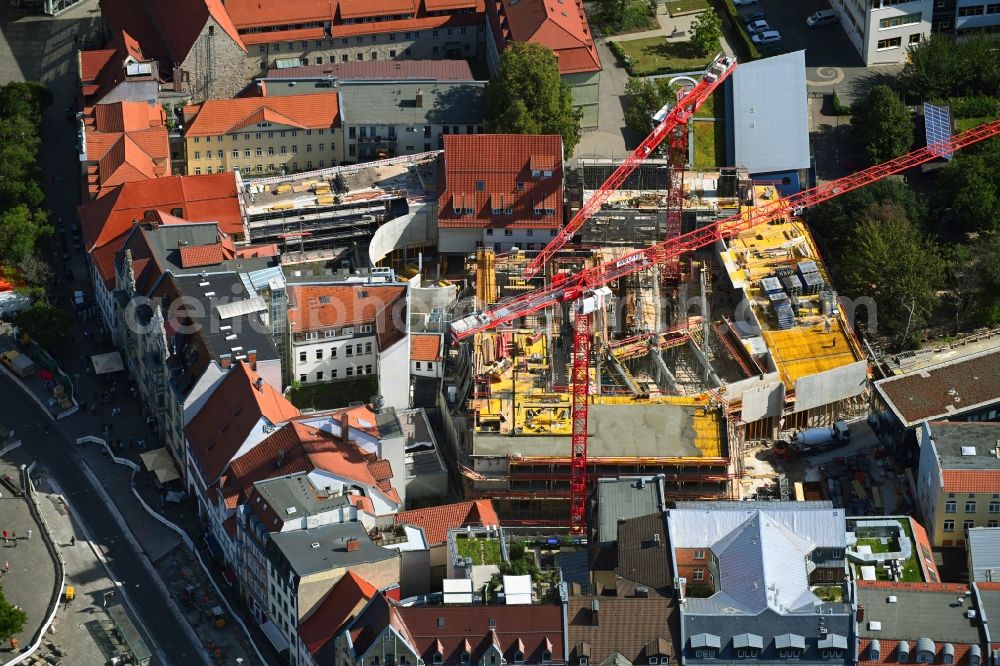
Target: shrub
622, 56
839, 108
744, 45
976, 106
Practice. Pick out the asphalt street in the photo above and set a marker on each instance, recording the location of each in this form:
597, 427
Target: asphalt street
43, 440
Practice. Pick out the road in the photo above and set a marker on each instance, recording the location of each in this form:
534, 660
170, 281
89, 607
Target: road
162, 631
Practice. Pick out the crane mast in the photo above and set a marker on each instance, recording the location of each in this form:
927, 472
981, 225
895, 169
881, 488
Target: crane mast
667, 120
588, 285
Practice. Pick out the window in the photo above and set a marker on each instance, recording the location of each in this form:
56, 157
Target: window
437, 658
197, 171
283, 151
546, 656
295, 150
465, 657
699, 554
508, 232
319, 376
333, 352
246, 152
350, 371
302, 356
419, 366
896, 21
368, 369
303, 378
368, 348
970, 506
949, 526
698, 574
259, 152
994, 507
950, 507
333, 373
430, 365
319, 354
197, 139
236, 152
915, 38
974, 10
968, 524
197, 154
893, 43
707, 653
654, 660
365, 328
349, 350
583, 661
992, 523
518, 655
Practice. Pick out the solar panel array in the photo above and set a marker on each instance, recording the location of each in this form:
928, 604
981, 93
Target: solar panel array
937, 126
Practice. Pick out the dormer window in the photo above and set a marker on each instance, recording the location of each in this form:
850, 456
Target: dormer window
583, 661
518, 657
465, 657
546, 656
436, 658
705, 653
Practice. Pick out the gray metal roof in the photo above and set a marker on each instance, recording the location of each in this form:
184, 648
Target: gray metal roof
394, 103
966, 445
295, 496
984, 551
624, 498
701, 524
835, 641
770, 116
330, 549
916, 613
785, 641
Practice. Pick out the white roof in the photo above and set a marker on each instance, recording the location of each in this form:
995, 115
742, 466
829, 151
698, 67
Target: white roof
517, 590
457, 590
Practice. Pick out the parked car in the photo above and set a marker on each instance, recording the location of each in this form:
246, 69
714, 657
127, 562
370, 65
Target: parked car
755, 15
757, 26
744, 3
766, 38
821, 18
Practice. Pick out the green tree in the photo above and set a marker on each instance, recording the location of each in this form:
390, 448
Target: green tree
941, 67
968, 192
11, 619
892, 262
836, 220
882, 124
45, 324
707, 31
20, 231
528, 96
644, 97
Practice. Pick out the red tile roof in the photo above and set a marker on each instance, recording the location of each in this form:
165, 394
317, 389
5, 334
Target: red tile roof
949, 588
270, 37
344, 600
437, 520
222, 116
352, 10
371, 70
101, 71
562, 27
229, 416
128, 142
889, 652
103, 258
257, 13
971, 480
482, 172
201, 255
989, 587
318, 307
306, 449
208, 198
425, 347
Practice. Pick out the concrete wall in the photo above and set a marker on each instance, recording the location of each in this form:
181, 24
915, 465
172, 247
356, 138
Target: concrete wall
831, 386
418, 228
393, 373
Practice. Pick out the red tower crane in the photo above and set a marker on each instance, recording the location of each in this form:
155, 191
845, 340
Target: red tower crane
667, 121
590, 282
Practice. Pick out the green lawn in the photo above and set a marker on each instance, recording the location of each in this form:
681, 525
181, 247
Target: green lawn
709, 145
681, 7
480, 551
654, 55
707, 108
335, 394
962, 124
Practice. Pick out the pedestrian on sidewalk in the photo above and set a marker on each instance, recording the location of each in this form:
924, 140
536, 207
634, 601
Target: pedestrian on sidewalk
5, 536
72, 540
6, 567
13, 535
29, 535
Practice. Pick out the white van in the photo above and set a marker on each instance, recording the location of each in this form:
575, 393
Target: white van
821, 18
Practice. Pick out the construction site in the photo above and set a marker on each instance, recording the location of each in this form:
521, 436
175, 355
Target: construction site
677, 321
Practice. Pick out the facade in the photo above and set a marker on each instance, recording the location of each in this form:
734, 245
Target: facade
425, 355
461, 634
122, 142
562, 28
263, 134
390, 118
883, 30
341, 331
320, 33
500, 191
958, 484
755, 566
968, 17
195, 43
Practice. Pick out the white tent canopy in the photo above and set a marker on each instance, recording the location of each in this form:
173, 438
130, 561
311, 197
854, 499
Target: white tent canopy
107, 363
159, 462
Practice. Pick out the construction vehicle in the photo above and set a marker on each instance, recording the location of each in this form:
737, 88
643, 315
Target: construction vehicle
819, 440
586, 283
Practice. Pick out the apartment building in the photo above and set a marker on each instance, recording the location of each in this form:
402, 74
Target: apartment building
958, 479
118, 73
561, 27
321, 33
390, 118
121, 142
756, 567
263, 134
426, 359
342, 331
499, 191
882, 31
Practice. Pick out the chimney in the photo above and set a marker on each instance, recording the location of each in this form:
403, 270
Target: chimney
352, 545
419, 99
279, 459
345, 427
225, 360
861, 613
595, 608
252, 359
